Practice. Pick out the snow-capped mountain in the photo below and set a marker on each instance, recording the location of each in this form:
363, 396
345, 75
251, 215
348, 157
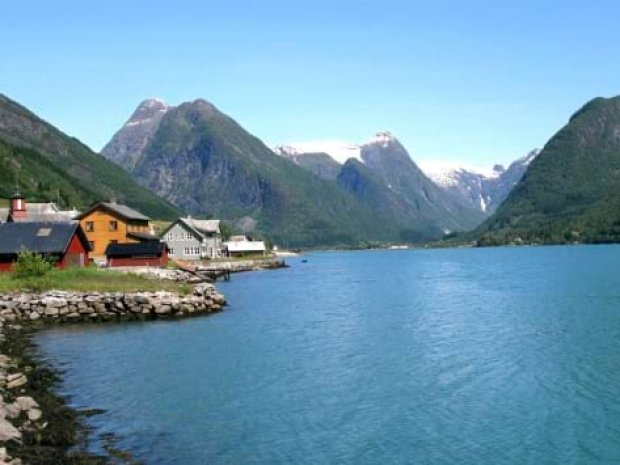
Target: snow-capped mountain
485, 190
381, 174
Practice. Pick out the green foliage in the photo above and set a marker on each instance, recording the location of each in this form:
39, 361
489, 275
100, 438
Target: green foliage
226, 230
52, 166
571, 191
31, 265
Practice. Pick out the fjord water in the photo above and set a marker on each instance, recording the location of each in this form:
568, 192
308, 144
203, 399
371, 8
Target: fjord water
472, 356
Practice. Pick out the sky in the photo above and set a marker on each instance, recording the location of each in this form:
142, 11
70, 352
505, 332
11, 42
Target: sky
463, 81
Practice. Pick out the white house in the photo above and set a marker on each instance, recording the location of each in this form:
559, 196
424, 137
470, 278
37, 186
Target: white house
241, 245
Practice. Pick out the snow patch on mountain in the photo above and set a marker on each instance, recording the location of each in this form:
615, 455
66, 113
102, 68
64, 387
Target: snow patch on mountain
339, 150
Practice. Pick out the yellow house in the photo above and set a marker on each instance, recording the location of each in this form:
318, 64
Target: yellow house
111, 223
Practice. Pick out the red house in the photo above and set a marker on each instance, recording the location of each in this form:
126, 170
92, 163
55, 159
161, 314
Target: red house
151, 253
63, 243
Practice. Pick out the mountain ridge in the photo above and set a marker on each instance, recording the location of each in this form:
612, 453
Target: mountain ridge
205, 162
50, 165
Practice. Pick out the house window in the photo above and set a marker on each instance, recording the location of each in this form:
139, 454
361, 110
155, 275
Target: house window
170, 237
113, 225
113, 241
90, 226
171, 251
181, 236
189, 236
92, 245
186, 250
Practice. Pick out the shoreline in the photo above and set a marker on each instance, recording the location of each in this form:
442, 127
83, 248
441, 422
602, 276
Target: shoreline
37, 425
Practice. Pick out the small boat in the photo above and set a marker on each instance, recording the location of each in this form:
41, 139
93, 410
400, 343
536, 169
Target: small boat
305, 260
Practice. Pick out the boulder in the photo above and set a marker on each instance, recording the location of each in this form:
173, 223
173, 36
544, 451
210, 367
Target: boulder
34, 414
8, 432
53, 302
26, 403
16, 380
141, 299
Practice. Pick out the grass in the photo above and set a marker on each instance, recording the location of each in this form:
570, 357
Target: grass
89, 279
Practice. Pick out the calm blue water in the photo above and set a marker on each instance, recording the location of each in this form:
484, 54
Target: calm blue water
491, 356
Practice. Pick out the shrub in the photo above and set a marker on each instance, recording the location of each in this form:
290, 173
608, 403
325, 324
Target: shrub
31, 265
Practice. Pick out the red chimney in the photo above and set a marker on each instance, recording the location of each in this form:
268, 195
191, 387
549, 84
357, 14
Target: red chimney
18, 206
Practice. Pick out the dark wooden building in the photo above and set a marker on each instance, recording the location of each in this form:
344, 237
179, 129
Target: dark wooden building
63, 243
151, 253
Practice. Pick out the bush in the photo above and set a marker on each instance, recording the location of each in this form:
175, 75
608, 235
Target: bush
31, 265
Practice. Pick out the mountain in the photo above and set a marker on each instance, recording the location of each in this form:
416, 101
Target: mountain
321, 164
206, 163
358, 179
485, 191
127, 144
49, 165
388, 166
571, 191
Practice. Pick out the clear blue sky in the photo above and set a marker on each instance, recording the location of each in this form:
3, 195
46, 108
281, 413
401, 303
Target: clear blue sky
472, 81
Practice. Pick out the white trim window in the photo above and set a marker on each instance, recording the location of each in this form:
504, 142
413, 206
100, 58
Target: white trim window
182, 236
171, 251
170, 237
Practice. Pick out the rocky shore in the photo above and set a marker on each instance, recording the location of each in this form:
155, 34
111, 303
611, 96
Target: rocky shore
36, 426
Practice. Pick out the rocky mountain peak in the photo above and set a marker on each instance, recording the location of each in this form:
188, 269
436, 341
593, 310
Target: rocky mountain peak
383, 138
147, 110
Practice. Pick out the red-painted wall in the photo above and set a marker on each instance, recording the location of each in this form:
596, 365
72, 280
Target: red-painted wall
6, 266
72, 254
161, 261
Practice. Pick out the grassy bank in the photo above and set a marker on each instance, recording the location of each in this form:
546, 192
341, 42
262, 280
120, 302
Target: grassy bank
89, 279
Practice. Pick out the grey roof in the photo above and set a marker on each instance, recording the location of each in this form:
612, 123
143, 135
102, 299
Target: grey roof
203, 226
45, 238
198, 227
122, 210
35, 217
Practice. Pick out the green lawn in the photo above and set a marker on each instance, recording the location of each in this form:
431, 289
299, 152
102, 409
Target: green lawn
89, 279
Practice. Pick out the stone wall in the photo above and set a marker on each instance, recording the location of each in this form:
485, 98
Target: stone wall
66, 307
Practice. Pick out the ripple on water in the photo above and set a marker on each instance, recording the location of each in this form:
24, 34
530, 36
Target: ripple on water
494, 356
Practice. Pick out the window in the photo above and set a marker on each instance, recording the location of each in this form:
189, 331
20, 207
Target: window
189, 236
90, 226
170, 237
186, 250
92, 245
171, 251
113, 225
113, 241
181, 236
